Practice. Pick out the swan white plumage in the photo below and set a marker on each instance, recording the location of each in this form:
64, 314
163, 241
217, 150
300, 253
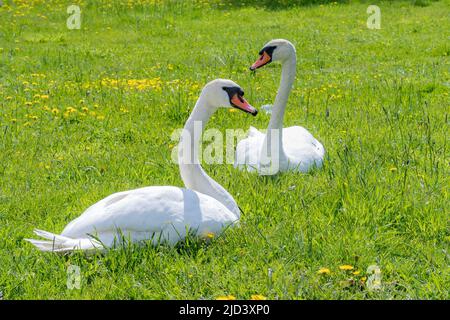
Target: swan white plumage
280, 149
161, 213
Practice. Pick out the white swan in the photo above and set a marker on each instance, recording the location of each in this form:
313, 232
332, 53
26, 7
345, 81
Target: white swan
288, 149
161, 213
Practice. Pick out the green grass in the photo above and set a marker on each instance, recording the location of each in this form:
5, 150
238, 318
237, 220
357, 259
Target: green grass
376, 99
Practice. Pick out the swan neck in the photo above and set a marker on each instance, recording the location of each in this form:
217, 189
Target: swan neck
288, 71
192, 173
273, 151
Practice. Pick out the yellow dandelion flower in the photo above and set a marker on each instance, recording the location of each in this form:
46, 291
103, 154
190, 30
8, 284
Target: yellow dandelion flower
100, 117
324, 271
85, 109
258, 297
13, 120
356, 272
55, 111
8, 98
392, 169
228, 297
232, 110
346, 267
28, 103
210, 235
44, 96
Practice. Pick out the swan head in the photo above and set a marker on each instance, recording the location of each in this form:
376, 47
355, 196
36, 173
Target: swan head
227, 94
275, 50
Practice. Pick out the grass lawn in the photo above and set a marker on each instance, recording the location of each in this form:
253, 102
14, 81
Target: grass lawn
85, 113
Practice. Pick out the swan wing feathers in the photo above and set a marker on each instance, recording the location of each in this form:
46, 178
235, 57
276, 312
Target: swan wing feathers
298, 140
247, 152
151, 210
253, 132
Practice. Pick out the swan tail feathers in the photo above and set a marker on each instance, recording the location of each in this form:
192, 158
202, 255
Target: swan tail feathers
62, 244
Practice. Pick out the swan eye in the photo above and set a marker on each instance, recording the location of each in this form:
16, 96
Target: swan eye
269, 50
232, 91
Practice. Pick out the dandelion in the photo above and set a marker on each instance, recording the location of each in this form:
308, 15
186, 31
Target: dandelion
232, 110
258, 297
356, 272
28, 103
44, 96
392, 169
228, 297
210, 235
324, 271
55, 111
100, 117
346, 267
70, 110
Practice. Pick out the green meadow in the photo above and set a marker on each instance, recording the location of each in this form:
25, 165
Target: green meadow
88, 112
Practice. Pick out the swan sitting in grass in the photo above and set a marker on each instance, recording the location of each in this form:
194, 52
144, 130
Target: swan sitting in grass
279, 149
161, 213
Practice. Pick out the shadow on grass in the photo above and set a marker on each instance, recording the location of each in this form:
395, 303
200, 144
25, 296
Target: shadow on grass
278, 4
286, 4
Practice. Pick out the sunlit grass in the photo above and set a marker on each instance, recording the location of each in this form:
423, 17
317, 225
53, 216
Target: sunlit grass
85, 113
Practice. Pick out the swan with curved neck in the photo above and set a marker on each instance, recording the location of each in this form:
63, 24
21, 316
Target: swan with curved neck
280, 149
161, 213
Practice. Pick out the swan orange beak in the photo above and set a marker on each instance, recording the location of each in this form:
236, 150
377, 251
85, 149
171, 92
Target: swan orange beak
240, 103
263, 60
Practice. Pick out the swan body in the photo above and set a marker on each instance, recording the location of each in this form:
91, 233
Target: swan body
161, 214
294, 148
302, 150
157, 213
